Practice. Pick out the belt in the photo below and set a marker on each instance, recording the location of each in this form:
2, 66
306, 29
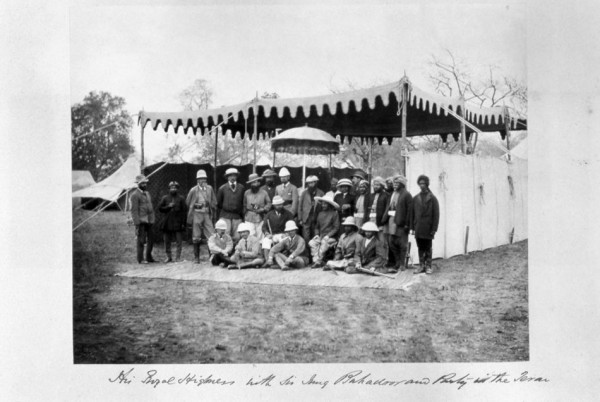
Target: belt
359, 215
392, 213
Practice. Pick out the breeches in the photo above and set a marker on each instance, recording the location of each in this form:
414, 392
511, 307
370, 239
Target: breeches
202, 222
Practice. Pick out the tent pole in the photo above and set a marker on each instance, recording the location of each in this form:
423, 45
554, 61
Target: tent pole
254, 137
507, 128
303, 170
274, 154
142, 147
404, 141
216, 149
371, 160
462, 125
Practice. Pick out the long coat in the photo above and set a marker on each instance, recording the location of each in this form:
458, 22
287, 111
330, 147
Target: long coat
380, 208
426, 215
403, 212
141, 207
308, 204
341, 200
194, 196
174, 217
370, 256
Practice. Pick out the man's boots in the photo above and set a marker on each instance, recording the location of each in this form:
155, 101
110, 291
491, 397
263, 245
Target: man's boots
428, 268
421, 263
169, 258
196, 253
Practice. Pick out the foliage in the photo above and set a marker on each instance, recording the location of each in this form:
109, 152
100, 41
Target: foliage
103, 150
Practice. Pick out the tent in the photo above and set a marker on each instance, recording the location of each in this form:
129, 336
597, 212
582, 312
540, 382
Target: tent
80, 179
374, 113
114, 187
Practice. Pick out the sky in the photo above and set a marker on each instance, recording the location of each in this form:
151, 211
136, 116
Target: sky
149, 54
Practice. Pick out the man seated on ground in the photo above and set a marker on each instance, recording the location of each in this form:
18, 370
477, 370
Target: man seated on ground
369, 252
274, 225
247, 252
288, 253
326, 230
220, 245
346, 247
344, 199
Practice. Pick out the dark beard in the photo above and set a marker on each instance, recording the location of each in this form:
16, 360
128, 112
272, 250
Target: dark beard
254, 189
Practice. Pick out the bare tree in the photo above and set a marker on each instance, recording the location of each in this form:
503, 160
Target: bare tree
453, 77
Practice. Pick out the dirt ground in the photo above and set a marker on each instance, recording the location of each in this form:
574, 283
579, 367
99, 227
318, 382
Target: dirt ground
473, 309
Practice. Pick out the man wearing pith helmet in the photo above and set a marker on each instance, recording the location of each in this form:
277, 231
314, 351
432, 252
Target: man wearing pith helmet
202, 209
424, 223
288, 192
370, 253
289, 253
175, 211
274, 225
230, 201
346, 247
308, 208
356, 178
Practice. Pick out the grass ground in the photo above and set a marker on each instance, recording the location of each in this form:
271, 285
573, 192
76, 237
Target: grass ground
473, 309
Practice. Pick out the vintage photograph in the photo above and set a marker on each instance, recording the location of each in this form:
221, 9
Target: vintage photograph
302, 183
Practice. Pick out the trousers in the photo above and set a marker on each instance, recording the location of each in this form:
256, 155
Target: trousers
318, 247
202, 222
232, 225
168, 238
144, 236
425, 252
399, 248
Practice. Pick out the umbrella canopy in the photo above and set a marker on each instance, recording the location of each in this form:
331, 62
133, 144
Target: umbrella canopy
305, 140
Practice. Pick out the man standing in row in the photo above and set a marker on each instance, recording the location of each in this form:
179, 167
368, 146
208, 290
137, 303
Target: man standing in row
344, 199
230, 201
142, 215
398, 238
424, 223
288, 192
256, 204
308, 208
202, 207
175, 211
269, 186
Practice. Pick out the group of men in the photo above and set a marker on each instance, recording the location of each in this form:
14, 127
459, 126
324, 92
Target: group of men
265, 225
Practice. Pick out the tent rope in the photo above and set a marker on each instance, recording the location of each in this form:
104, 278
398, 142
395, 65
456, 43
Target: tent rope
151, 174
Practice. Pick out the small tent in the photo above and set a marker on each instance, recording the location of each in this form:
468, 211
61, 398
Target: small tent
113, 188
80, 179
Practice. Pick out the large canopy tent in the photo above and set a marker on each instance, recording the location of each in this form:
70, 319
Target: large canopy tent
376, 113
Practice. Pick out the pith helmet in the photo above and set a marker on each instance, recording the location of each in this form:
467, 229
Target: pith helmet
370, 227
221, 224
284, 172
290, 225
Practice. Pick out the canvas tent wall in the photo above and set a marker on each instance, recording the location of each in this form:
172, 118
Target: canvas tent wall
80, 179
113, 188
489, 195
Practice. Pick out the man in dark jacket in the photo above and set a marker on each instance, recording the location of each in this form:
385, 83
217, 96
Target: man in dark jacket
230, 201
344, 199
327, 227
308, 208
175, 211
274, 225
424, 223
269, 176
398, 239
142, 214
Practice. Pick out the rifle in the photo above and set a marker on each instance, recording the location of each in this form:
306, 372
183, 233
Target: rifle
368, 271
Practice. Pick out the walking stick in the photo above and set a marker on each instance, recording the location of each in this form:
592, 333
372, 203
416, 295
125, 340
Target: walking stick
368, 271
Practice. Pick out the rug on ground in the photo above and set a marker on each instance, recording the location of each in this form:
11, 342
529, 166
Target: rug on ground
300, 277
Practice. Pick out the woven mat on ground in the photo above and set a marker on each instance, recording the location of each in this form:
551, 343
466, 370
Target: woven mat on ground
302, 277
